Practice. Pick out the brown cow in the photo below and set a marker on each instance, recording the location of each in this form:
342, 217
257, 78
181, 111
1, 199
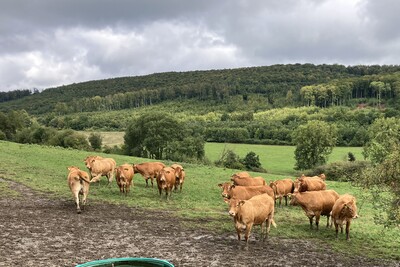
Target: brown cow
124, 176
322, 176
303, 184
344, 211
78, 182
282, 188
315, 203
255, 211
166, 180
148, 170
244, 192
99, 166
248, 181
180, 176
240, 174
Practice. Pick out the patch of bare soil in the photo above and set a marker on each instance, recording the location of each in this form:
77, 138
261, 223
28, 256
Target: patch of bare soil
36, 230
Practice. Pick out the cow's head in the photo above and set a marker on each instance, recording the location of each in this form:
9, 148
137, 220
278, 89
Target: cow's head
293, 199
225, 189
234, 206
350, 209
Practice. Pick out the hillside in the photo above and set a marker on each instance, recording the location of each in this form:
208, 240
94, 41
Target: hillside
278, 85
258, 105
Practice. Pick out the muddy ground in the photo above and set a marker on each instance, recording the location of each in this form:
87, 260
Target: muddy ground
36, 230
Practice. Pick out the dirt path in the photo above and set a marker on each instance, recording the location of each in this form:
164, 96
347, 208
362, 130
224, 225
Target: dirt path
38, 231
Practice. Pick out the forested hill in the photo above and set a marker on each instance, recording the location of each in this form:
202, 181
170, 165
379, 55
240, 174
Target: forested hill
281, 85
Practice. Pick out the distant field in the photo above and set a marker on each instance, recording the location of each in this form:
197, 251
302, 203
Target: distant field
276, 159
109, 138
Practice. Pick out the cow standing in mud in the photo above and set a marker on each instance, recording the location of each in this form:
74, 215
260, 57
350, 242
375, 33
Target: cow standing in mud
99, 166
78, 182
258, 210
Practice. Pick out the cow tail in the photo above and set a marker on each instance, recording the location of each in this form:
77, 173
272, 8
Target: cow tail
273, 223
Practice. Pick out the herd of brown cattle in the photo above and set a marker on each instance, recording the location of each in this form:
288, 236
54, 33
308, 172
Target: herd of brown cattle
168, 178
252, 202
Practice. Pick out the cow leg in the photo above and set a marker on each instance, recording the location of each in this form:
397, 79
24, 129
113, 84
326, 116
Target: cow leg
327, 221
336, 229
280, 201
247, 233
85, 189
151, 181
285, 200
78, 209
311, 221
96, 178
238, 231
147, 181
268, 227
317, 216
348, 230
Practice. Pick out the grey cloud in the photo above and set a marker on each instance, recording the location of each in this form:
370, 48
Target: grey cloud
46, 43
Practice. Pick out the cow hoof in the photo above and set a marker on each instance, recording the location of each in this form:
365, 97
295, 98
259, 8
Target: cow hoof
78, 211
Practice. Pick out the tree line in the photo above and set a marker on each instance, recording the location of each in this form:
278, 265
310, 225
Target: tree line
280, 85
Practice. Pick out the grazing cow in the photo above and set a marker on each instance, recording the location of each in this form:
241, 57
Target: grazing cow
344, 211
315, 203
258, 210
78, 182
303, 184
99, 166
244, 192
248, 181
166, 181
124, 176
148, 170
282, 188
180, 176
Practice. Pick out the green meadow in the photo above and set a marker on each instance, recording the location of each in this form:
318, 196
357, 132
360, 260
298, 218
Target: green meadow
45, 169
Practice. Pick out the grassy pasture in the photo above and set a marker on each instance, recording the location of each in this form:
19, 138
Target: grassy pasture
45, 169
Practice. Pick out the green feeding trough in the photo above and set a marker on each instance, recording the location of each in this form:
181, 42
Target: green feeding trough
127, 262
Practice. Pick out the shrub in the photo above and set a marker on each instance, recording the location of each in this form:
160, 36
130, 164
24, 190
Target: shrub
340, 170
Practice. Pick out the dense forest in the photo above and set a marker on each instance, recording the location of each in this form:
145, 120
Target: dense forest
279, 85
246, 105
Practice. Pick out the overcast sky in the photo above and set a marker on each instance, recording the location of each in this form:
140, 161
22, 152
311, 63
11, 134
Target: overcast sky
47, 43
